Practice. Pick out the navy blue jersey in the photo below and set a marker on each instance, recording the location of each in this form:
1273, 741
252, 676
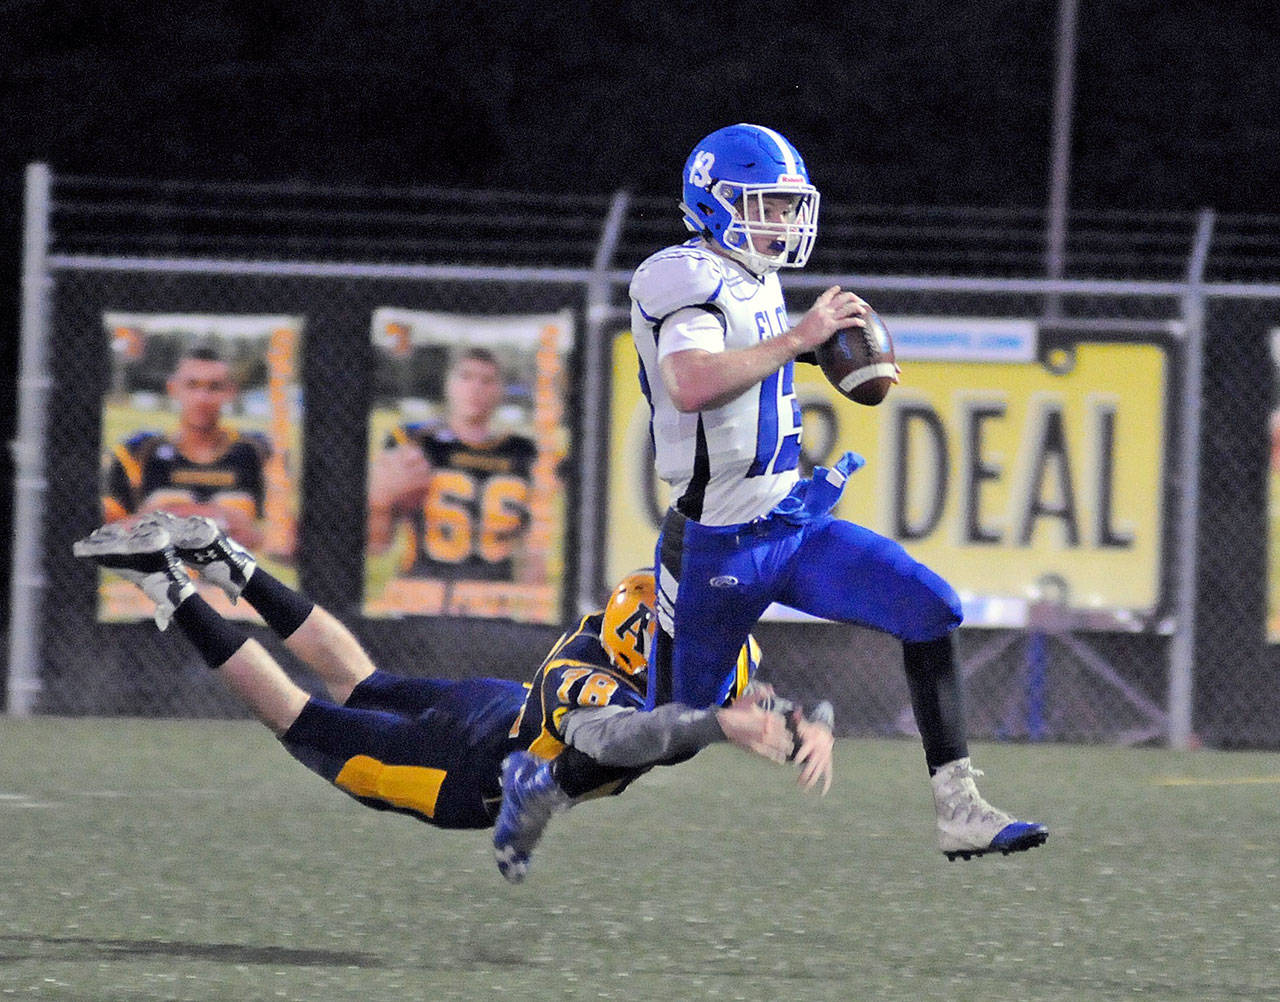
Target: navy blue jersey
577, 673
476, 509
148, 468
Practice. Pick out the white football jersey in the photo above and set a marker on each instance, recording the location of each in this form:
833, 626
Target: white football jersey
732, 463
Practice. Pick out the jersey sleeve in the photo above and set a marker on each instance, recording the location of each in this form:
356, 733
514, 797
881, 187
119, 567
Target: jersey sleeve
692, 327
117, 491
525, 452
577, 674
628, 736
255, 479
569, 685
122, 474
261, 444
676, 278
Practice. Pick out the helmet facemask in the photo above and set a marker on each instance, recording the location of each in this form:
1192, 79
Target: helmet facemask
786, 236
753, 229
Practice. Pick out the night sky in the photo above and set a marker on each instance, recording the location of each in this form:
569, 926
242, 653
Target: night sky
1177, 103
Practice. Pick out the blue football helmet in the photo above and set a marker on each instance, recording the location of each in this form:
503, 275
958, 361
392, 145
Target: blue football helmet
733, 181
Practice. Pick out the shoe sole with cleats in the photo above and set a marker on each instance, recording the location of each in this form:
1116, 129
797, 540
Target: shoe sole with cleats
139, 548
1024, 836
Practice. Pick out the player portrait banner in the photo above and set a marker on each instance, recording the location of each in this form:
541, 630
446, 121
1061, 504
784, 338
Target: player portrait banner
1018, 473
467, 438
203, 416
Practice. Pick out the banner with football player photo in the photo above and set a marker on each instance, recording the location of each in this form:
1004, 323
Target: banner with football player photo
466, 512
202, 417
1009, 468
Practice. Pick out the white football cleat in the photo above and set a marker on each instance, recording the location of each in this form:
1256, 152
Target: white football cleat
214, 555
142, 553
968, 826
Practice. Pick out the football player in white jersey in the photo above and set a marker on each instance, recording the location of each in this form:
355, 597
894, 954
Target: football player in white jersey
717, 352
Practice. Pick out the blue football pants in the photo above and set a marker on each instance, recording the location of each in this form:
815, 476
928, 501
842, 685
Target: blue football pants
714, 583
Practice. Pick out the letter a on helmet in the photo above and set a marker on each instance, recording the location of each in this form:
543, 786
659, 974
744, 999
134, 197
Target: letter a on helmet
629, 622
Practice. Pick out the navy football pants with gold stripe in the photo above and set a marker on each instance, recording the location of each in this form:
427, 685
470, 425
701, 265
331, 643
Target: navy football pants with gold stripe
429, 748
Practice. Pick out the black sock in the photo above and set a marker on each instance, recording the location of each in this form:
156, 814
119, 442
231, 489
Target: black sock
934, 683
283, 608
213, 636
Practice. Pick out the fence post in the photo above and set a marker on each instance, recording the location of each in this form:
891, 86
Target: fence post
1060, 151
1182, 648
28, 579
595, 367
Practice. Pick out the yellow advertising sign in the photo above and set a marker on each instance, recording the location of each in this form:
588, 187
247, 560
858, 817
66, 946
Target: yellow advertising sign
1000, 476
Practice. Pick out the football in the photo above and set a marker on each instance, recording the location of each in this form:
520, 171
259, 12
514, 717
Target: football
859, 361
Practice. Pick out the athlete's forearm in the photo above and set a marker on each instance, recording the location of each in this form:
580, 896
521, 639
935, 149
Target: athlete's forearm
698, 380
621, 736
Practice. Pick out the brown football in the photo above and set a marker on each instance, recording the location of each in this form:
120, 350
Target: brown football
859, 361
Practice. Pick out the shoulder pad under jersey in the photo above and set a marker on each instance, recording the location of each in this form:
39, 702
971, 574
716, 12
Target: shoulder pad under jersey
135, 442
412, 431
675, 278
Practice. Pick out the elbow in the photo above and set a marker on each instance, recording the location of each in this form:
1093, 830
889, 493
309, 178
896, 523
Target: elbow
689, 393
701, 400
685, 382
687, 401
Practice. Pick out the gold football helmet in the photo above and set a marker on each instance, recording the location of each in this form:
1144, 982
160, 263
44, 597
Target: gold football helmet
630, 619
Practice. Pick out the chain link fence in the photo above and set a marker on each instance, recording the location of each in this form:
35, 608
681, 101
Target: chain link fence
1237, 658
1063, 671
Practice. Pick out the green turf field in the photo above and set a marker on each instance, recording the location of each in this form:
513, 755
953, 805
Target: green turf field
195, 860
